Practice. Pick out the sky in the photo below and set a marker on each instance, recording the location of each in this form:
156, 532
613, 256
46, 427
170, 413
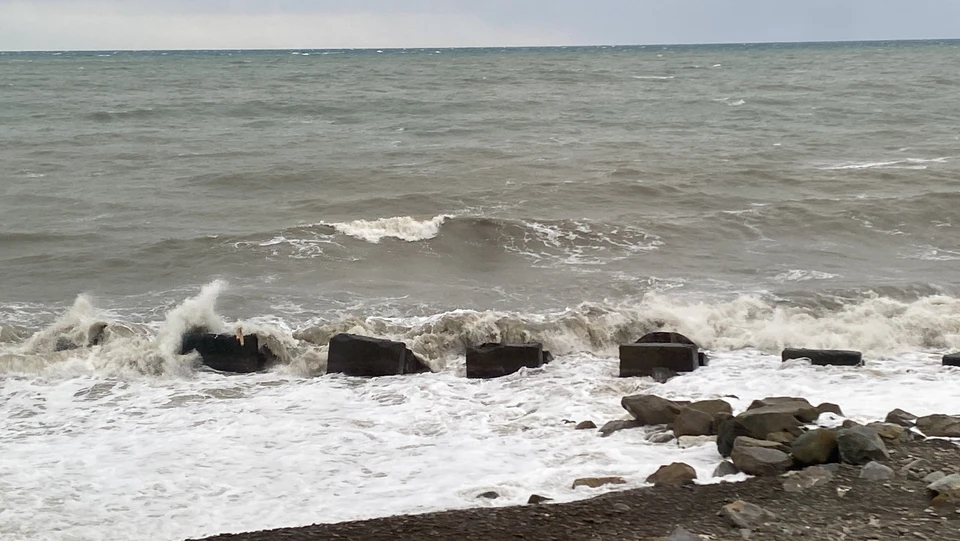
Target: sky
301, 24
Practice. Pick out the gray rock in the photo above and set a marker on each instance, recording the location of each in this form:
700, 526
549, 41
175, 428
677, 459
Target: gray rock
757, 424
712, 407
782, 437
746, 515
488, 495
761, 461
860, 445
615, 426
746, 441
890, 433
536, 499
902, 418
686, 442
934, 477
585, 425
675, 474
661, 437
875, 471
649, 409
693, 422
948, 486
807, 478
917, 469
725, 468
816, 447
680, 534
828, 407
597, 482
939, 426
798, 407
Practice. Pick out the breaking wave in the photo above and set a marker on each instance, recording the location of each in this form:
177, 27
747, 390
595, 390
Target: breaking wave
400, 227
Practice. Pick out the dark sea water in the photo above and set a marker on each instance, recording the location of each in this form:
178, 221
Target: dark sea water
752, 197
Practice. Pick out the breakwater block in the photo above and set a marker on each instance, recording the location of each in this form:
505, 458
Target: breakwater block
664, 337
951, 360
644, 360
824, 357
495, 360
224, 352
364, 356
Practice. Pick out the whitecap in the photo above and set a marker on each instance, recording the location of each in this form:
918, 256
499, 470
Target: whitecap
404, 228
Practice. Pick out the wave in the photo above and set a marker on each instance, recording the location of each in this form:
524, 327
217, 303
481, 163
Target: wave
880, 326
906, 163
401, 227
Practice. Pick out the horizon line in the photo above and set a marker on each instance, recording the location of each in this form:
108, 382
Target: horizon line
469, 47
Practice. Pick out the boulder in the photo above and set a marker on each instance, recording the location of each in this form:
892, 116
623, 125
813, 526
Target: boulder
681, 534
746, 441
712, 407
764, 421
640, 360
727, 433
725, 468
491, 495
746, 515
760, 461
902, 418
661, 437
355, 355
597, 482
933, 477
547, 357
828, 407
875, 471
226, 352
662, 337
890, 433
495, 360
798, 407
952, 359
585, 425
649, 409
536, 499
939, 426
816, 447
917, 469
693, 422
824, 357
675, 474
686, 442
946, 487
799, 481
782, 437
860, 445
615, 426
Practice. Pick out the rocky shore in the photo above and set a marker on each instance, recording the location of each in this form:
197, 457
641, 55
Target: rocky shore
815, 476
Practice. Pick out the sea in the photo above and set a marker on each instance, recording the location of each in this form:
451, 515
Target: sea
751, 197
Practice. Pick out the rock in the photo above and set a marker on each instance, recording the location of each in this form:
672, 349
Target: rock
718, 420
490, 360
225, 352
947, 487
939, 426
952, 359
727, 434
828, 407
365, 356
746, 441
488, 495
649, 409
763, 421
798, 407
849, 423
875, 471
661, 437
662, 375
680, 534
760, 461
746, 515
675, 474
686, 442
597, 482
824, 357
547, 357
640, 360
891, 433
779, 401
725, 468
807, 478
917, 469
712, 407
902, 418
782, 437
536, 499
934, 477
693, 422
585, 425
816, 447
860, 445
615, 426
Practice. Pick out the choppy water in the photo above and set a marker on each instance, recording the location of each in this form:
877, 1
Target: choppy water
751, 197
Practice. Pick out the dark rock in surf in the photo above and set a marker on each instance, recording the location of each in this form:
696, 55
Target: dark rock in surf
364, 356
649, 409
495, 360
676, 474
536, 499
585, 425
902, 418
939, 426
951, 360
647, 360
663, 337
225, 352
824, 357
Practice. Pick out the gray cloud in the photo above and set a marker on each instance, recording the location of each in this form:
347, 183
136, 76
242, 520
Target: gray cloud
178, 24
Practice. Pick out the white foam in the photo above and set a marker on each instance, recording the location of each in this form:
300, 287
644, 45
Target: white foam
655, 77
401, 227
907, 163
801, 275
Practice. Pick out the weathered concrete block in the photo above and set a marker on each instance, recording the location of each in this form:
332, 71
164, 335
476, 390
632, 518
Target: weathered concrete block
640, 360
364, 356
824, 357
495, 360
952, 359
225, 352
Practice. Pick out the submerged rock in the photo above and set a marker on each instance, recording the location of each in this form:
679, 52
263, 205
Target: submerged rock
675, 474
597, 482
649, 409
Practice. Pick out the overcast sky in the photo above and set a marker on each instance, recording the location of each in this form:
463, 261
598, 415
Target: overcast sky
208, 24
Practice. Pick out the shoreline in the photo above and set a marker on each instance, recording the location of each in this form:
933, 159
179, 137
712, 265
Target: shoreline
847, 507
